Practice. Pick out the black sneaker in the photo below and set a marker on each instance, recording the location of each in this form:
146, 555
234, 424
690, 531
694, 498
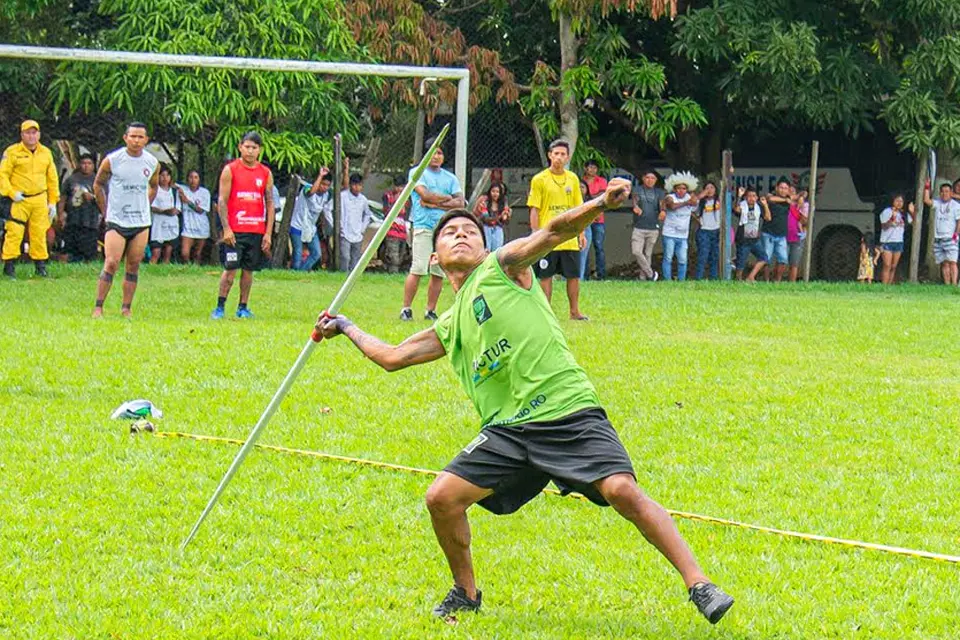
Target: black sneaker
455, 602
10, 270
710, 601
431, 316
406, 314
41, 267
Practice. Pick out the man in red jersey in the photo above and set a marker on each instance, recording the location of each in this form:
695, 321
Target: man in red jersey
246, 212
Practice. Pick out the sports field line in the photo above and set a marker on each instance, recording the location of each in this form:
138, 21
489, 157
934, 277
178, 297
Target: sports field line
809, 537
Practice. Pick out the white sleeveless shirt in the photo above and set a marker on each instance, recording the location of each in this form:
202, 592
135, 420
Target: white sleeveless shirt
128, 200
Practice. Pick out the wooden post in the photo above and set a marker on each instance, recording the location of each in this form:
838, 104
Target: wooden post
808, 245
281, 238
917, 229
418, 136
337, 188
540, 146
728, 193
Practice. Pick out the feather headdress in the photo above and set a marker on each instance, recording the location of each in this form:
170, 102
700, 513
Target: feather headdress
681, 177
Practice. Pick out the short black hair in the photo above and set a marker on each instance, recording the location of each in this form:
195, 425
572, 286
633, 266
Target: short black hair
86, 156
457, 213
429, 143
327, 177
784, 181
947, 185
559, 143
356, 178
164, 168
136, 124
252, 136
750, 190
591, 163
649, 172
399, 180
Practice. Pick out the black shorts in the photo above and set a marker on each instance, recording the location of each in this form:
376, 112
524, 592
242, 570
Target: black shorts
246, 255
127, 233
517, 462
80, 243
566, 263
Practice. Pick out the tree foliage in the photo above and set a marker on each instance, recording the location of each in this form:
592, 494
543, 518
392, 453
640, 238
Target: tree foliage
295, 112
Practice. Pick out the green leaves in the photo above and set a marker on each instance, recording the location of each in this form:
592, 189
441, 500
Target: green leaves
291, 108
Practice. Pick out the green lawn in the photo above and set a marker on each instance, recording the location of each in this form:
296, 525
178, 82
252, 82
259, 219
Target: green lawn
823, 409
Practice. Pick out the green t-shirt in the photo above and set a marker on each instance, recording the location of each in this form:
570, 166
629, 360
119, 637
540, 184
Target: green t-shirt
509, 352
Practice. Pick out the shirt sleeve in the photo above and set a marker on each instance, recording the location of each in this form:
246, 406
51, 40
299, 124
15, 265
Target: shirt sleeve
53, 181
885, 215
6, 170
535, 199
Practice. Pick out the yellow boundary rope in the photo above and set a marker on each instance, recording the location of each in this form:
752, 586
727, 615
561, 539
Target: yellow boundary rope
913, 553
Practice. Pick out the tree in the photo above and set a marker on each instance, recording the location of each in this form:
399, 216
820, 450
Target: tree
295, 112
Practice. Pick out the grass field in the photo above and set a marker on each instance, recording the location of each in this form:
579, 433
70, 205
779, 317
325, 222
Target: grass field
823, 409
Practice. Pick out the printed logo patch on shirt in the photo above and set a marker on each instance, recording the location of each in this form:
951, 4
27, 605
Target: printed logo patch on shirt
481, 309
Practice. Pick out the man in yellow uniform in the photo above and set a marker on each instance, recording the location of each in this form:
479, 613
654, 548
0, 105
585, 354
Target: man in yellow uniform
28, 176
553, 191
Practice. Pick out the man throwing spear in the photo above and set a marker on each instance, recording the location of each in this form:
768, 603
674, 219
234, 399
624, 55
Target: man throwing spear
541, 416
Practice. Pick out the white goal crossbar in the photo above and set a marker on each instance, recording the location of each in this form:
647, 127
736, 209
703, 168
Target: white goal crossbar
462, 76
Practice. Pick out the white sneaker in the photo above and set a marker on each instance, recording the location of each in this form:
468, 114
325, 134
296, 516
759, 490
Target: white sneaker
656, 276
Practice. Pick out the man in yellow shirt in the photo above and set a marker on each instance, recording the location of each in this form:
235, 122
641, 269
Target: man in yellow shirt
553, 191
28, 176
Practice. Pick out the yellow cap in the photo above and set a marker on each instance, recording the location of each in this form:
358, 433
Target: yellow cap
29, 124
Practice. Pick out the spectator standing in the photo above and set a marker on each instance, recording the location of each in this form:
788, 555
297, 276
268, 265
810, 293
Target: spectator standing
774, 232
165, 228
893, 222
79, 216
195, 209
796, 230
312, 202
946, 212
247, 211
748, 234
708, 235
396, 241
494, 212
437, 192
680, 204
28, 176
869, 256
552, 192
355, 217
596, 232
647, 209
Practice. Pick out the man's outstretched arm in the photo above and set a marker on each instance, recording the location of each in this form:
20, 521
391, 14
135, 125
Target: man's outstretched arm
516, 256
419, 348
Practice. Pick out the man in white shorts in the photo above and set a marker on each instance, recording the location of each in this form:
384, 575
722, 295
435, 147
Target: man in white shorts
437, 192
946, 212
129, 175
195, 206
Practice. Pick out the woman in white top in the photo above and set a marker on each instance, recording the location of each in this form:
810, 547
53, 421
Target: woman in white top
195, 207
708, 235
893, 222
165, 228
679, 205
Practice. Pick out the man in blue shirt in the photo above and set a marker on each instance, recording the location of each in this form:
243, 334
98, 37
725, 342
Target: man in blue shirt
437, 192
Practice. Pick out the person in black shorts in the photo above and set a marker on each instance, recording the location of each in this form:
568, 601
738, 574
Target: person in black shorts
541, 417
246, 209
